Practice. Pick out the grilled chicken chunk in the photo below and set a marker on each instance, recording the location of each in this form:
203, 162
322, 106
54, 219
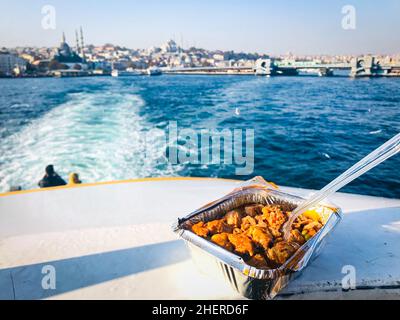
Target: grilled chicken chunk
311, 229
233, 218
217, 226
262, 237
274, 216
200, 229
247, 222
242, 244
259, 262
282, 251
296, 236
210, 228
222, 239
253, 210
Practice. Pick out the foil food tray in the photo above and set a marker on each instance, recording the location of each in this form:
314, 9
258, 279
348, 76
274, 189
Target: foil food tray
247, 280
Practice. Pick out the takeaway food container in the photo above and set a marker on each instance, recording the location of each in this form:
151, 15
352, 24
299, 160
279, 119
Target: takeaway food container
249, 281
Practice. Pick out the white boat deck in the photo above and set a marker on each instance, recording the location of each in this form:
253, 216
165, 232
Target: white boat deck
113, 241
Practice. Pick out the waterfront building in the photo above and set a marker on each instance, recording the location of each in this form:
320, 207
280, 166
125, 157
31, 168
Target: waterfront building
28, 57
219, 57
41, 65
223, 64
65, 55
11, 64
153, 50
170, 47
138, 63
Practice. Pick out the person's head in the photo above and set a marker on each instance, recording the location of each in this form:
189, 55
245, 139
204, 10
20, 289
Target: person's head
50, 170
74, 178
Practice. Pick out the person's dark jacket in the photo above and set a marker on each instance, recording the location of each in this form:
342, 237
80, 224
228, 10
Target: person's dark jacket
53, 180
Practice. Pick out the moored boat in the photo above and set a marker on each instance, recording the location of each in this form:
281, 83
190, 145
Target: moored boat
154, 71
129, 73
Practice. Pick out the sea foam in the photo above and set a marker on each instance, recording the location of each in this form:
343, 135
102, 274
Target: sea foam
98, 135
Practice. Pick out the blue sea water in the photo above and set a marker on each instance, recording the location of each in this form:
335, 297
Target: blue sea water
307, 129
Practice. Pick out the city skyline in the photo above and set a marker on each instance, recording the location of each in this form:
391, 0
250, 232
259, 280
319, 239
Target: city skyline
254, 26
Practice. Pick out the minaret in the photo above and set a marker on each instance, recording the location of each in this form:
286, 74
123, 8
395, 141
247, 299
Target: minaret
77, 42
82, 44
63, 38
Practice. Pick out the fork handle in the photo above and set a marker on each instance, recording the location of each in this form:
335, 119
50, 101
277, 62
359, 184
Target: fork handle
382, 153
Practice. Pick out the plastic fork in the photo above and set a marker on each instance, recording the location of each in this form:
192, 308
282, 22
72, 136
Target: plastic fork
384, 152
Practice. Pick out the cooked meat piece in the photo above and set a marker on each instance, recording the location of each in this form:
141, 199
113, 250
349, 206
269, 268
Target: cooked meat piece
258, 261
260, 236
200, 229
274, 217
262, 224
259, 218
253, 210
296, 236
242, 244
247, 222
300, 222
311, 229
275, 232
222, 239
233, 218
261, 221
282, 251
254, 232
217, 226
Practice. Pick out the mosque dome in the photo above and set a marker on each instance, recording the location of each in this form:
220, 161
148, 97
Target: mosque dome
65, 54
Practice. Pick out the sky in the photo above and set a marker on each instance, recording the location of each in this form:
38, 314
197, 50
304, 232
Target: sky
264, 26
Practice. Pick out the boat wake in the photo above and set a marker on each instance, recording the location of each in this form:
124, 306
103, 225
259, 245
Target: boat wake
98, 135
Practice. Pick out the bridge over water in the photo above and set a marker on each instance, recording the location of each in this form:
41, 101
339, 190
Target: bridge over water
366, 66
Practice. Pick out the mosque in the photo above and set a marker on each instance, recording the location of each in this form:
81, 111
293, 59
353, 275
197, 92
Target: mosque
64, 54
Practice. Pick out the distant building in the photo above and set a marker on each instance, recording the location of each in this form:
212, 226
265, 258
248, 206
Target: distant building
11, 64
169, 47
28, 57
222, 64
153, 50
65, 54
41, 65
219, 57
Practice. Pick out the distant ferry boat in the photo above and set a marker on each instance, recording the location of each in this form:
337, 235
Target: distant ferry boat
119, 73
154, 71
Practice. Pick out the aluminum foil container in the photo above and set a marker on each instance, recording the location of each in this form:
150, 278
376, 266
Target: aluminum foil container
249, 281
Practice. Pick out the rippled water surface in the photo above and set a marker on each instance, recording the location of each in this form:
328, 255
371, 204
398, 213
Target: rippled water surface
307, 129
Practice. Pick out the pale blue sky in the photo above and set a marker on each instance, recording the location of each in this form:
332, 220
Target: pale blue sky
303, 27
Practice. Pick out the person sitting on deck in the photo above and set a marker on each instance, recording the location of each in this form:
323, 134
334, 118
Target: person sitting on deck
51, 178
74, 179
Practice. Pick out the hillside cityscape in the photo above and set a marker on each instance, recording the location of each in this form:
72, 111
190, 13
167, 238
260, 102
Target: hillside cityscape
81, 59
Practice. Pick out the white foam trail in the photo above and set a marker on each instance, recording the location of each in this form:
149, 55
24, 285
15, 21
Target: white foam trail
375, 132
19, 105
98, 135
326, 155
